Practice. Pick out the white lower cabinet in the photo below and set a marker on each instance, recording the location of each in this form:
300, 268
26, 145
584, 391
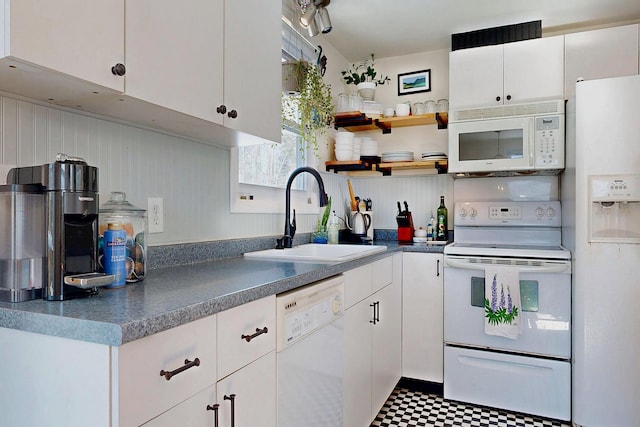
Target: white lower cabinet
422, 317
372, 340
246, 387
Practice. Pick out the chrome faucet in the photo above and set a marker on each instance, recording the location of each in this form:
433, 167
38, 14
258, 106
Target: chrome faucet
290, 228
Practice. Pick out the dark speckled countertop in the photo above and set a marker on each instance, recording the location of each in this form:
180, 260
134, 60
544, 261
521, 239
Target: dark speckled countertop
174, 295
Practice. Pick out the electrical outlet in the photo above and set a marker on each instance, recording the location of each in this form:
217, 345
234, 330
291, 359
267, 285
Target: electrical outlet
4, 170
155, 214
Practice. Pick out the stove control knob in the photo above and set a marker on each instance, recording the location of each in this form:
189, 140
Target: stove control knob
551, 212
539, 212
463, 212
473, 213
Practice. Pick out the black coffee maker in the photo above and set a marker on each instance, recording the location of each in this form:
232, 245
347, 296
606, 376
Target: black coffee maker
70, 189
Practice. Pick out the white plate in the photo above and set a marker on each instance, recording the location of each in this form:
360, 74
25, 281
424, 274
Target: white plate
434, 154
398, 153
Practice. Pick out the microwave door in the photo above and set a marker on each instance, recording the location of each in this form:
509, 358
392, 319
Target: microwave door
490, 145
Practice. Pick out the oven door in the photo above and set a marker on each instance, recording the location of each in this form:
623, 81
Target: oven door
491, 145
545, 294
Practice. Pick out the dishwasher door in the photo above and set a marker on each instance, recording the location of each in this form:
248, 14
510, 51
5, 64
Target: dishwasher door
310, 357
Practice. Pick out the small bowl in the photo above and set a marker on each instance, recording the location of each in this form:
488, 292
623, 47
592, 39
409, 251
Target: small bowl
420, 232
344, 155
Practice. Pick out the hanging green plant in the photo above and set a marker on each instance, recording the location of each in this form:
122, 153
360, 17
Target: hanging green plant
309, 106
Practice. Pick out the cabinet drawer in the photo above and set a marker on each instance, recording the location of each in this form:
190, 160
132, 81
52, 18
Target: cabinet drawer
234, 352
382, 273
363, 281
357, 285
142, 392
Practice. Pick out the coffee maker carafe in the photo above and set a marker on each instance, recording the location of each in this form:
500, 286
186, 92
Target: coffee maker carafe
70, 191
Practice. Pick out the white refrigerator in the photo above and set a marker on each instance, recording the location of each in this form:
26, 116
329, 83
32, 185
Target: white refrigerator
601, 225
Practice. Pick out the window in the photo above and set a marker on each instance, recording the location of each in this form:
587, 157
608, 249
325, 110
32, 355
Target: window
259, 168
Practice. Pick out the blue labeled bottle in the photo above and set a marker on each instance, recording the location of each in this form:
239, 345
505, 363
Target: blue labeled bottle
115, 254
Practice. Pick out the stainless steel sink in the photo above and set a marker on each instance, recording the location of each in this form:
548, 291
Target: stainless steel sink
317, 253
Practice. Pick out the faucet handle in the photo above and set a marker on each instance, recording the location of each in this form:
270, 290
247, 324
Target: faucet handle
283, 242
293, 225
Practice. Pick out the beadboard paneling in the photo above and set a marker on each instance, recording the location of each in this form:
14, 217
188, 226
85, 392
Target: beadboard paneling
192, 178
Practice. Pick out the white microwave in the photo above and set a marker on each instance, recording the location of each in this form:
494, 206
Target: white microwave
507, 140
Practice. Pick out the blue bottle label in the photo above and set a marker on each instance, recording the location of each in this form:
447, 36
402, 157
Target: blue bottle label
115, 256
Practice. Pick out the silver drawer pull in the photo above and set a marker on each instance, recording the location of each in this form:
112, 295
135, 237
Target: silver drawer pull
187, 364
259, 331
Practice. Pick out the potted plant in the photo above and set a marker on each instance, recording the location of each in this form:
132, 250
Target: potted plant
365, 77
306, 101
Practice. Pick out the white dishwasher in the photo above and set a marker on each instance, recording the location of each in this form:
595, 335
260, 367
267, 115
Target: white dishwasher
310, 354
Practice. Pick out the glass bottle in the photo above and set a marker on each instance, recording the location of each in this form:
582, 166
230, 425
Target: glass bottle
430, 226
334, 229
441, 232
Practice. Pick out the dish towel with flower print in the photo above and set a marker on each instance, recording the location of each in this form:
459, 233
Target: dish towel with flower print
502, 309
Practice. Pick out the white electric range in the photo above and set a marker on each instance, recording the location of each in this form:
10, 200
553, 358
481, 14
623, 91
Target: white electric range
530, 373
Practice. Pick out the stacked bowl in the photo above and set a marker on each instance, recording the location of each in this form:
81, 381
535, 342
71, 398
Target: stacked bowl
344, 145
357, 144
369, 147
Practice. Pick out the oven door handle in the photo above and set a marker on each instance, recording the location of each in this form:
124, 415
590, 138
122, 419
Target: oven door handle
553, 268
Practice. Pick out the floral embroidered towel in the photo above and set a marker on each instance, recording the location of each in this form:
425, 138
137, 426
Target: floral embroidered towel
502, 302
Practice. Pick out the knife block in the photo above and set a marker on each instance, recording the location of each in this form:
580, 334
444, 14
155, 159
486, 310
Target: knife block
405, 234
405, 227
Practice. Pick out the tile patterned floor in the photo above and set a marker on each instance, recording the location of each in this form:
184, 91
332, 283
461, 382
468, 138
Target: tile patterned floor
412, 408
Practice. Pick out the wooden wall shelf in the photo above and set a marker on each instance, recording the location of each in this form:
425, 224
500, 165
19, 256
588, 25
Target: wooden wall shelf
386, 168
356, 121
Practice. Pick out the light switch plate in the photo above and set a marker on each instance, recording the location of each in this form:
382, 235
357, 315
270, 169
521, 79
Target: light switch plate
4, 170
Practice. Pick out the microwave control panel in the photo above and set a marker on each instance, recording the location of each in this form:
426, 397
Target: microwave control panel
549, 142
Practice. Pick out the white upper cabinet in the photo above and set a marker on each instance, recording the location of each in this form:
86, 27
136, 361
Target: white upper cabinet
57, 50
512, 73
174, 55
186, 70
252, 67
598, 54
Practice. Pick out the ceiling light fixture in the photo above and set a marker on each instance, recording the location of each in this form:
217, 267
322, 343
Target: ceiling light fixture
315, 16
323, 20
308, 16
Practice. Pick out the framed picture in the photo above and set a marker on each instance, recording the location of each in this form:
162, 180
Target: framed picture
414, 82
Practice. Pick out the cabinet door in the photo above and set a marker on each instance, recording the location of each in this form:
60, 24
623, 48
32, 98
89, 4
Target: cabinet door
254, 387
79, 38
534, 70
386, 364
194, 412
422, 317
174, 55
598, 54
252, 66
475, 77
357, 367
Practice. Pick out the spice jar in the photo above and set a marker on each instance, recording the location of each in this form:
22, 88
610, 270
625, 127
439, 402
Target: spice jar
134, 223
